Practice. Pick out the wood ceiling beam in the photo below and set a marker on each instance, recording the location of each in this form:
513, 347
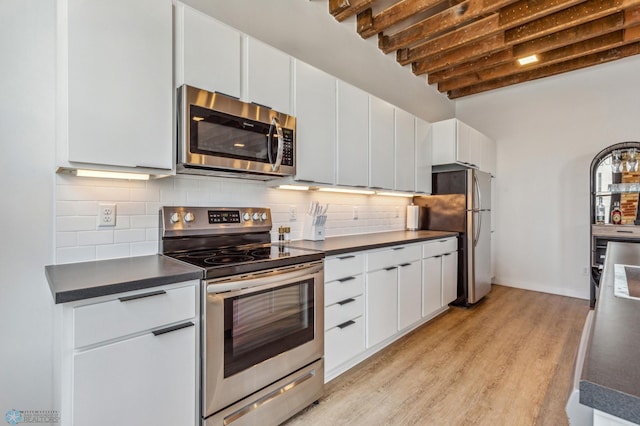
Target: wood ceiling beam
343, 9
562, 54
369, 25
575, 64
508, 17
444, 21
566, 37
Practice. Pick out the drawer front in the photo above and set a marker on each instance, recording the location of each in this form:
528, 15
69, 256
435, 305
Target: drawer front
343, 311
342, 344
439, 247
393, 256
109, 320
343, 289
342, 266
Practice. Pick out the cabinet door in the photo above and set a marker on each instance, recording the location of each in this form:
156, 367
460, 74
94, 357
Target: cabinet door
381, 146
464, 137
488, 155
315, 110
120, 83
146, 380
405, 158
207, 53
268, 76
443, 136
449, 278
409, 294
382, 305
353, 135
343, 343
431, 285
423, 157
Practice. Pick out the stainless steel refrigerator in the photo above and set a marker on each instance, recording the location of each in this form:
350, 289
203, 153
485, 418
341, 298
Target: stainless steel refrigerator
461, 202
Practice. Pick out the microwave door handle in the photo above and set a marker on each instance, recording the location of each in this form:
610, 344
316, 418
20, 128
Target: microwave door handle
276, 166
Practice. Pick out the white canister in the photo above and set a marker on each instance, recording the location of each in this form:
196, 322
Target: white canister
412, 217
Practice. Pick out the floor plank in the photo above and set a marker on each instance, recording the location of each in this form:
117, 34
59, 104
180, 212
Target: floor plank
506, 361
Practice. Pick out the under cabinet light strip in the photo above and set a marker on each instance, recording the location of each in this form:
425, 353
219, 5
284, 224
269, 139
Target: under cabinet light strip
111, 175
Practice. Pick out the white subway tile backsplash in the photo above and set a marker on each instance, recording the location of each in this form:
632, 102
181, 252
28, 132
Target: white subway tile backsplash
113, 251
138, 205
94, 238
129, 235
75, 254
75, 223
143, 249
66, 239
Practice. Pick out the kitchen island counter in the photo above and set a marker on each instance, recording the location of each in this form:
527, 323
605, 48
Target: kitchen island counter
350, 243
610, 380
78, 281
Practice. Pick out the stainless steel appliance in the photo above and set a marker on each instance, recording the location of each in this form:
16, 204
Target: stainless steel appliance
262, 314
221, 135
462, 203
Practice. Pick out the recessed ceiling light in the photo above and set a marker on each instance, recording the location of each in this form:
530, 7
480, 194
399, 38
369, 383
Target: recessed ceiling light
528, 60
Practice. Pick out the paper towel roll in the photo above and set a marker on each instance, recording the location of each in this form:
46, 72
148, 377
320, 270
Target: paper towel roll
412, 217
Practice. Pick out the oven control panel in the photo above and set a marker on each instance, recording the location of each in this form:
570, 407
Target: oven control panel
177, 221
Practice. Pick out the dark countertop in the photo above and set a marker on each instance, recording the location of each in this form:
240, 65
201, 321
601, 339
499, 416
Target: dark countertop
350, 243
610, 379
78, 281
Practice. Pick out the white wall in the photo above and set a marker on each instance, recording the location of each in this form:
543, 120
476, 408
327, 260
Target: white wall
26, 213
547, 132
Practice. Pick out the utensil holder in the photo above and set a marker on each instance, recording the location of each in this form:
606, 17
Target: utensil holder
313, 229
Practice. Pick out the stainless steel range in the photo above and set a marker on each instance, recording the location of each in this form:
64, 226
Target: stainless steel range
262, 314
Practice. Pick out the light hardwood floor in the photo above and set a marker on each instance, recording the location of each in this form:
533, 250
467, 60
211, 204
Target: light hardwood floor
506, 361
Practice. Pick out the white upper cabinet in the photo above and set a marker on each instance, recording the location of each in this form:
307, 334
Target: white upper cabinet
424, 152
455, 142
315, 110
381, 144
268, 76
115, 84
405, 166
353, 135
207, 52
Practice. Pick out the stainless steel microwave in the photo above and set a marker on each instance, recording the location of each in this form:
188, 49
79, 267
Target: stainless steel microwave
223, 136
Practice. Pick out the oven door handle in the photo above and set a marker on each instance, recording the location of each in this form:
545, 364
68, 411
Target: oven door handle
267, 280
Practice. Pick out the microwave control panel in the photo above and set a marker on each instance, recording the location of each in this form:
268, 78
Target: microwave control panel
287, 147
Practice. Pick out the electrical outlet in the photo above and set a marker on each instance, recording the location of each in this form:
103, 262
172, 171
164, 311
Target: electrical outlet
355, 212
107, 215
293, 214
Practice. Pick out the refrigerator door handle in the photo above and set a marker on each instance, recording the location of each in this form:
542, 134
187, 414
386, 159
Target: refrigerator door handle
476, 209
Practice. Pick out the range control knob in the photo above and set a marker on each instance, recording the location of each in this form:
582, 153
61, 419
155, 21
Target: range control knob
255, 216
264, 216
189, 217
175, 218
246, 217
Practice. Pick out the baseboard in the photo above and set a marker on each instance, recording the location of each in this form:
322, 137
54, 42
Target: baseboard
560, 291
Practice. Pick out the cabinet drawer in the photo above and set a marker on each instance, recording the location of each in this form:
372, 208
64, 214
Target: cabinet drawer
342, 266
439, 247
343, 289
342, 344
131, 314
392, 256
343, 311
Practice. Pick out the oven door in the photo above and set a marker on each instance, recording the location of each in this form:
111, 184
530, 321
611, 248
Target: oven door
258, 330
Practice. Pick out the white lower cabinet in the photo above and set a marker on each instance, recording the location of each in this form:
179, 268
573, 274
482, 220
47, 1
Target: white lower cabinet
374, 297
143, 380
382, 305
439, 275
409, 294
139, 366
344, 312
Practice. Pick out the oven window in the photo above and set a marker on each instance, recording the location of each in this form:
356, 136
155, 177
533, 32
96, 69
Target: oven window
261, 325
223, 135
